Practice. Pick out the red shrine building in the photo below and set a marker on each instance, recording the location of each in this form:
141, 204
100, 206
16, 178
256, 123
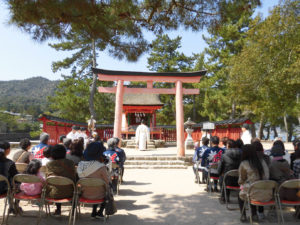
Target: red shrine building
138, 107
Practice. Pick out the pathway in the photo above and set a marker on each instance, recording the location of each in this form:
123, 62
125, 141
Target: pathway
157, 197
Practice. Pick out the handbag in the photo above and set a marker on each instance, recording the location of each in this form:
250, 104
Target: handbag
110, 207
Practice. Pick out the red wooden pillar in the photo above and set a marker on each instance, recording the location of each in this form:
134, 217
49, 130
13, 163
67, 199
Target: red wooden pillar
118, 109
179, 119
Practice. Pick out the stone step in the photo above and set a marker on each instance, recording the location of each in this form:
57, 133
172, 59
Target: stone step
155, 167
154, 162
148, 146
160, 158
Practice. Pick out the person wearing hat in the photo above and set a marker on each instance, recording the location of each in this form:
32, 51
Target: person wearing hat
73, 133
94, 167
246, 135
44, 138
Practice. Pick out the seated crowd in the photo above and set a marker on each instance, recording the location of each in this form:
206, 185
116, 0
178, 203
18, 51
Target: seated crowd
253, 163
72, 158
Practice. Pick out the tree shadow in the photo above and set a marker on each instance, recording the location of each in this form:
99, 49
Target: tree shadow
129, 192
132, 182
129, 205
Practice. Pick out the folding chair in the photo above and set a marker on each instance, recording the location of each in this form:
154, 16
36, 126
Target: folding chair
116, 176
21, 167
289, 184
262, 185
88, 182
197, 172
231, 173
211, 178
59, 181
21, 196
5, 196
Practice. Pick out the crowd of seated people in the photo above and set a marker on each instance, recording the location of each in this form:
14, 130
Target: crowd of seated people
253, 163
68, 159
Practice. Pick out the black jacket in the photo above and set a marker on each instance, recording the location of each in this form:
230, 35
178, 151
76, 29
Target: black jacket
9, 170
230, 160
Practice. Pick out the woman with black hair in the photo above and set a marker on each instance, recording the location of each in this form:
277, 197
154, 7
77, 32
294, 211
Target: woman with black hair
252, 169
22, 155
33, 168
60, 166
7, 169
76, 151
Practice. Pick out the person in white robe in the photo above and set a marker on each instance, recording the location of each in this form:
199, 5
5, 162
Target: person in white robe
73, 133
142, 136
246, 135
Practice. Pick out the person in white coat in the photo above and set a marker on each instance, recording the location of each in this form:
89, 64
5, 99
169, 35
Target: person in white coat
142, 136
73, 135
246, 135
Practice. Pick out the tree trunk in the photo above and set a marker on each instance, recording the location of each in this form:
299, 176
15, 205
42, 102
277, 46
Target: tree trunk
268, 133
252, 129
275, 132
94, 83
233, 107
194, 108
261, 128
286, 127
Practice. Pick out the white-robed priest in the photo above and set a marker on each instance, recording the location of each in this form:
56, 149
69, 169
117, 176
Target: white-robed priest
142, 136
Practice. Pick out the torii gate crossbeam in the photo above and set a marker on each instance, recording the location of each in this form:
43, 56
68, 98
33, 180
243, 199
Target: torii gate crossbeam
150, 77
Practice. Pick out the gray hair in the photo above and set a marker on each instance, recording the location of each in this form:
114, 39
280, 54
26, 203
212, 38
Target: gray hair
44, 137
111, 143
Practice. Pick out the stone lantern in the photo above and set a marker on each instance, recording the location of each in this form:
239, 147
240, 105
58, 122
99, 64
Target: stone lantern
189, 143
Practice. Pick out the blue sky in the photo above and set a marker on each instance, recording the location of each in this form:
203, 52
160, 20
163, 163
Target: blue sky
21, 57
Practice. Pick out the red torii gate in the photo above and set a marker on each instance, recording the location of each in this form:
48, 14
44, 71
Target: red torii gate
150, 77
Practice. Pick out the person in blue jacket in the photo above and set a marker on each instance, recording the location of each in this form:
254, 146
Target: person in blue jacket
197, 159
211, 156
122, 156
114, 157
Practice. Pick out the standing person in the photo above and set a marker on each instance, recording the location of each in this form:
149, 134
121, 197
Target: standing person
22, 155
230, 160
211, 156
94, 167
61, 139
224, 142
60, 166
73, 134
84, 135
38, 149
246, 135
252, 169
122, 156
7, 169
198, 157
142, 136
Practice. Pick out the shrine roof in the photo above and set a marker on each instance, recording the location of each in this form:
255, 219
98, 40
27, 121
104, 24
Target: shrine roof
161, 74
142, 99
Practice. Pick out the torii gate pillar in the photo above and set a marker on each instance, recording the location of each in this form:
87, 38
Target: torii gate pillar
179, 119
118, 109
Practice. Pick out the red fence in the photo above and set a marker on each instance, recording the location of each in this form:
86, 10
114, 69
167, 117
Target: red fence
167, 133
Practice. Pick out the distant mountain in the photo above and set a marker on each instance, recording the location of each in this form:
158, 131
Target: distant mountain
26, 96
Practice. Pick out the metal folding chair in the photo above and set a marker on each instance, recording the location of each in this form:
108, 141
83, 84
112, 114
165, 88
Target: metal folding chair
231, 173
59, 181
211, 178
21, 196
5, 196
88, 182
262, 185
21, 167
289, 184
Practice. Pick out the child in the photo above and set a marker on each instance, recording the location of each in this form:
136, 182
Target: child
33, 168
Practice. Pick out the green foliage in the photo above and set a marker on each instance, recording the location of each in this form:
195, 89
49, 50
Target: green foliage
225, 41
71, 101
265, 75
165, 57
26, 96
